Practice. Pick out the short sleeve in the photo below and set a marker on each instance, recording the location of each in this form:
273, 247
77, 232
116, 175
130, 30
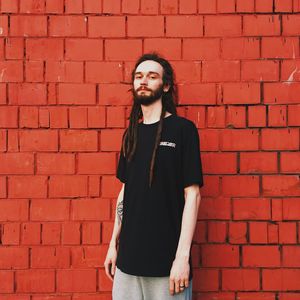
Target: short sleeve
121, 169
192, 166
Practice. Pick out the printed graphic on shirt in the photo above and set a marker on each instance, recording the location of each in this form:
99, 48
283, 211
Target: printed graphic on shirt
170, 144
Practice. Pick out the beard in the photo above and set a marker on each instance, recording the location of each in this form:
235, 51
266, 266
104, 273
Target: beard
148, 99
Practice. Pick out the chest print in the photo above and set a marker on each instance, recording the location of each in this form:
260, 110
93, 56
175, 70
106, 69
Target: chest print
169, 144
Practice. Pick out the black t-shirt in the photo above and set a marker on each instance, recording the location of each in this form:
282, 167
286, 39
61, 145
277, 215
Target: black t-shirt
152, 217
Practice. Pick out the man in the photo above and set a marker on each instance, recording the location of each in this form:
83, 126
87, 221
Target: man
149, 256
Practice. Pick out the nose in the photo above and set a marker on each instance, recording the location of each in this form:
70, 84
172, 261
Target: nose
144, 80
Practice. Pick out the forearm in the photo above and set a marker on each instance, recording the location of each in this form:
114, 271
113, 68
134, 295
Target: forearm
118, 220
189, 221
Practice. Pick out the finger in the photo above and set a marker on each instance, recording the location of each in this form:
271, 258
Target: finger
171, 286
107, 271
113, 269
177, 290
186, 282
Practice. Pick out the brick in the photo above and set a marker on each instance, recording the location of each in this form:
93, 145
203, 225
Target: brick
240, 186
281, 279
279, 47
103, 72
115, 117
73, 7
240, 279
287, 233
32, 6
89, 256
35, 281
54, 6
220, 256
34, 71
3, 140
226, 6
149, 7
4, 25
197, 115
142, 26
71, 280
216, 232
290, 162
187, 72
130, 6
280, 139
296, 6
219, 163
58, 117
223, 25
184, 26
6, 281
251, 209
28, 26
9, 6
211, 280
67, 26
11, 71
71, 233
237, 232
51, 233
220, 71
91, 233
168, 7
96, 163
290, 24
202, 93
14, 48
27, 93
277, 116
245, 5
239, 139
283, 185
49, 210
84, 49
216, 116
290, 71
67, 186
78, 140
188, 7
64, 71
14, 257
83, 93
9, 116
201, 49
241, 93
209, 139
261, 256
44, 49
258, 162
258, 233
111, 139
240, 48
13, 210
281, 93
10, 234
207, 7
92, 6
115, 94
277, 210
16, 163
38, 140
264, 5
290, 256
30, 233
260, 71
261, 25
131, 49
106, 26
236, 116
78, 117
283, 6
170, 47
111, 6
96, 117
27, 186
293, 115
90, 210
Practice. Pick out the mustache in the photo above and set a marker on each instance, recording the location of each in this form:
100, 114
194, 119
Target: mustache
143, 88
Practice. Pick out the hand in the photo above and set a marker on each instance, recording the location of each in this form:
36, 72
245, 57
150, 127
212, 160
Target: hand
110, 262
179, 275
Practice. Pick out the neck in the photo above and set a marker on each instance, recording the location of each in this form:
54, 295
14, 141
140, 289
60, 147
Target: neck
151, 113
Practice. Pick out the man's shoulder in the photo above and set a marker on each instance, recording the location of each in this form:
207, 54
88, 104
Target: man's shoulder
185, 123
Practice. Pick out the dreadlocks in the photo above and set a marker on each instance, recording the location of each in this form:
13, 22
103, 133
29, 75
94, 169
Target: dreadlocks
169, 102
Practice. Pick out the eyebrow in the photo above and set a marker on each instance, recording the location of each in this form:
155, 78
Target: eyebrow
150, 72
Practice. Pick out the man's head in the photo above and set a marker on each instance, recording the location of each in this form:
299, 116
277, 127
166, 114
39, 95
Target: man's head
153, 79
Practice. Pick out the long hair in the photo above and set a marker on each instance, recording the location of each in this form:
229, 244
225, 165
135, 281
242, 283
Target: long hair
169, 102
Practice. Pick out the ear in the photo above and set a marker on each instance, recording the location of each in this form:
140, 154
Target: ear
166, 88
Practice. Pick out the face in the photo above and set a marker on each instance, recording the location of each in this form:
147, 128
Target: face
148, 83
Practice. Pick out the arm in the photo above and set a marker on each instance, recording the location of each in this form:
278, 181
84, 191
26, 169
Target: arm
111, 256
179, 274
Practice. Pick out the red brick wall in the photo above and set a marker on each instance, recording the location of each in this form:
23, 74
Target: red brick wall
64, 75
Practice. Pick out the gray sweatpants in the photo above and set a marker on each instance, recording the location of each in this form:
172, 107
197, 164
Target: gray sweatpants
130, 287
